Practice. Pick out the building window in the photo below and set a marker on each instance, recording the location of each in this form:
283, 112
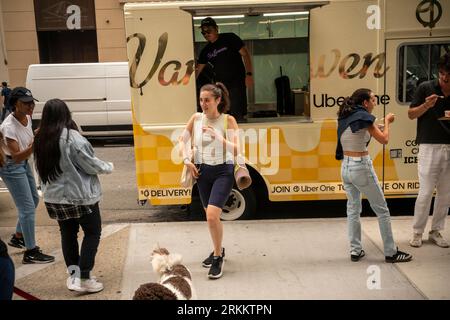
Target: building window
66, 31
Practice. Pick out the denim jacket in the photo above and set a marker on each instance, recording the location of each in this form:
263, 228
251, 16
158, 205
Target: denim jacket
78, 183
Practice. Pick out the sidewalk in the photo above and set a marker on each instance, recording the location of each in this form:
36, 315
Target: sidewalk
265, 259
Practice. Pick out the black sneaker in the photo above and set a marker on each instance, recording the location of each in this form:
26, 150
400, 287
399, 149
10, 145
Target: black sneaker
215, 272
208, 261
36, 256
399, 257
357, 257
16, 242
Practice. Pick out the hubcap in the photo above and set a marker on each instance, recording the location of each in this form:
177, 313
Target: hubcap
234, 207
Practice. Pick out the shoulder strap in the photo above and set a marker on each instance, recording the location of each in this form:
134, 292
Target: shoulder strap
193, 129
198, 118
225, 125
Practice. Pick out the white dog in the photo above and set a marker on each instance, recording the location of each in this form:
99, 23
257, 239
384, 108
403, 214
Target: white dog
175, 281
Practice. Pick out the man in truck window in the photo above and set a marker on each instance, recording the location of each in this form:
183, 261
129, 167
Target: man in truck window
231, 64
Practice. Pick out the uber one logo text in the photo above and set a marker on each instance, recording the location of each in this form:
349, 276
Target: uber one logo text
374, 280
74, 18
374, 20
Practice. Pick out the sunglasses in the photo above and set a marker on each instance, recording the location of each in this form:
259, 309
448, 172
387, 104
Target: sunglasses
207, 32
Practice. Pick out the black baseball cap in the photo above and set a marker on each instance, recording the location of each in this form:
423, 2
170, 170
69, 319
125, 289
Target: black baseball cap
23, 94
208, 22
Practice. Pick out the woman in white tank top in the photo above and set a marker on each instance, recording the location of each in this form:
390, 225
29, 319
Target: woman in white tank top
213, 167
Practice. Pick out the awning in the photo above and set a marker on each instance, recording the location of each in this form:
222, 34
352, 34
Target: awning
249, 7
232, 7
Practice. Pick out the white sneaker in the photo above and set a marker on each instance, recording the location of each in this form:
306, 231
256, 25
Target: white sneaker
91, 285
74, 284
416, 241
436, 237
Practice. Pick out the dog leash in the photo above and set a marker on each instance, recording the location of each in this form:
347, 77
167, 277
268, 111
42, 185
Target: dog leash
24, 294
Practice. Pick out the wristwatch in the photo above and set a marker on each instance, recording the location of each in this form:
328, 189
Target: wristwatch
186, 160
249, 73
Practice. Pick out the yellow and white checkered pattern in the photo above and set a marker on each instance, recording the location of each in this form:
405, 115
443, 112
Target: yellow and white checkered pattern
315, 170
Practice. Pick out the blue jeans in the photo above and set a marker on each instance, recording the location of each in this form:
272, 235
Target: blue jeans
7, 275
20, 182
359, 177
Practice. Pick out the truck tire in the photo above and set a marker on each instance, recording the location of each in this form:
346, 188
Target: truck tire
241, 204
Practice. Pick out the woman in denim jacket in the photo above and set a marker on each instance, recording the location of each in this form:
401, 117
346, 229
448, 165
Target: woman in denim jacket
356, 126
68, 170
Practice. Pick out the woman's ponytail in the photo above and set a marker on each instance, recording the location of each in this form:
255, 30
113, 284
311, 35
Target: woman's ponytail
224, 104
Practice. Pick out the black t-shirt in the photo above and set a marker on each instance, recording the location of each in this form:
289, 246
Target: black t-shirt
429, 129
225, 58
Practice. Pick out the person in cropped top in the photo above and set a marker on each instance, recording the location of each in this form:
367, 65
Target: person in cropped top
213, 167
356, 126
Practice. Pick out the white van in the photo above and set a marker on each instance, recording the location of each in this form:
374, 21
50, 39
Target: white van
98, 94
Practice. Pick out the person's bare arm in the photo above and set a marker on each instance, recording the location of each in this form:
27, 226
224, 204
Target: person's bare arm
417, 112
14, 150
382, 136
232, 141
185, 146
185, 137
198, 69
248, 65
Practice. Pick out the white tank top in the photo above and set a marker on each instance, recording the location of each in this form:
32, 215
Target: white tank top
206, 149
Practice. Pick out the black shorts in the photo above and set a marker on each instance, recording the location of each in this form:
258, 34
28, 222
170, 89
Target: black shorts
215, 184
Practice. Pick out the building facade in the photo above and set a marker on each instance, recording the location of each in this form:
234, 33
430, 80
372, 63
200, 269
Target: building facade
58, 31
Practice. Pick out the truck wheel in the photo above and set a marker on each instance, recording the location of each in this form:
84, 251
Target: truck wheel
241, 204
